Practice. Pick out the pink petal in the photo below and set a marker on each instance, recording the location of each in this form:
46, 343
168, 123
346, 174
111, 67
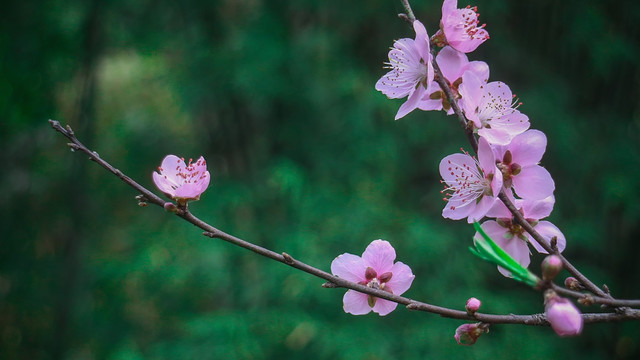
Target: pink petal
356, 303
548, 230
451, 63
486, 158
422, 40
401, 279
528, 147
534, 182
471, 92
379, 255
480, 69
411, 103
349, 267
481, 208
457, 210
538, 209
449, 6
384, 307
162, 183
499, 210
458, 159
495, 136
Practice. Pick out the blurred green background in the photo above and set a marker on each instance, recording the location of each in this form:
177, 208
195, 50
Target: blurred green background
306, 158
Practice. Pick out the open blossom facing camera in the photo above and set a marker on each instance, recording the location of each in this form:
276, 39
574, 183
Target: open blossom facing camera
460, 27
374, 269
182, 181
411, 70
518, 162
471, 185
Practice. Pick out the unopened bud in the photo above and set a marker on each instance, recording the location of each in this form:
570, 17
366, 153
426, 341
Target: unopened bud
564, 317
572, 283
473, 305
551, 267
170, 207
468, 334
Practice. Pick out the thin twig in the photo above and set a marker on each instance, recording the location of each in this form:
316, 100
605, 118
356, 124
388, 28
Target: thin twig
210, 231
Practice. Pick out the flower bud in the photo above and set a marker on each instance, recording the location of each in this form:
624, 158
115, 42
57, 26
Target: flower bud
170, 207
370, 273
572, 283
564, 317
473, 305
468, 334
551, 267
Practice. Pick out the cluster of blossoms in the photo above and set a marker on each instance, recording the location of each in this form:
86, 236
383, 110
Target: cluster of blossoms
508, 161
508, 153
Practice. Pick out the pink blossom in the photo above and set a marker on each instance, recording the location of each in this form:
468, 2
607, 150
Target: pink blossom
411, 70
564, 317
512, 238
374, 269
518, 162
491, 108
460, 27
181, 181
453, 64
471, 185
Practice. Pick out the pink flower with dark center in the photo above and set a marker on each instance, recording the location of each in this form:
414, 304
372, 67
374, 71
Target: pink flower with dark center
374, 269
518, 162
182, 181
512, 237
460, 27
564, 317
411, 70
453, 64
491, 108
471, 186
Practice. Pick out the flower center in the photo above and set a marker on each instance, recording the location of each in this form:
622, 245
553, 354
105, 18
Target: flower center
469, 183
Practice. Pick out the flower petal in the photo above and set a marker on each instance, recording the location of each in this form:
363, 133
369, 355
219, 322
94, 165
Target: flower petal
451, 63
412, 102
384, 307
538, 209
422, 40
356, 303
548, 230
379, 255
528, 147
401, 279
533, 182
349, 267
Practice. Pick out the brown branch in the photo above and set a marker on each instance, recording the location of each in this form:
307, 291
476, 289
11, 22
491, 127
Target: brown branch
210, 231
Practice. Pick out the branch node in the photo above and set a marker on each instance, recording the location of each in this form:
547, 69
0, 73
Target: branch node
70, 131
404, 17
587, 300
73, 147
606, 290
329, 285
287, 258
412, 306
209, 234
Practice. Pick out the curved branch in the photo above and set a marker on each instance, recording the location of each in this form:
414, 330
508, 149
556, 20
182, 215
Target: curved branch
210, 231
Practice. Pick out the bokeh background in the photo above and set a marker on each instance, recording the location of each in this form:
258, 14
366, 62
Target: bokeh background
306, 158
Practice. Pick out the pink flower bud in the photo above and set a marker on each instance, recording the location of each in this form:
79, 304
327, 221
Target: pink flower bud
564, 317
473, 305
468, 334
551, 267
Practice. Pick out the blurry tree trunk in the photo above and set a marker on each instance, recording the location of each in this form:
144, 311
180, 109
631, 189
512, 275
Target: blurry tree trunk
83, 123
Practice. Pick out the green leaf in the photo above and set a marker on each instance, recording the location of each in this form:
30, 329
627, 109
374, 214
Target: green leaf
488, 250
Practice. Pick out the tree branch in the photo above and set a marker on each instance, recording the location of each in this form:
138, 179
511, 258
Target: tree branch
210, 231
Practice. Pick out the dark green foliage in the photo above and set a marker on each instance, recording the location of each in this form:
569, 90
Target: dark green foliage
306, 158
